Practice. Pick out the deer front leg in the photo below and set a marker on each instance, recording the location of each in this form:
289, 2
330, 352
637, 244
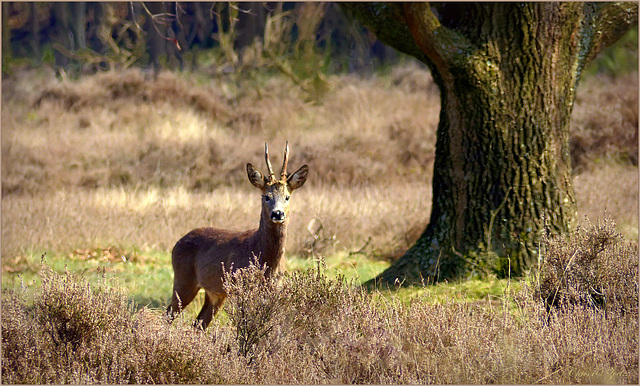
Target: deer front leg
212, 303
183, 294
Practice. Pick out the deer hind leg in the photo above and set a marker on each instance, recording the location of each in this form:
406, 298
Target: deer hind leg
183, 294
212, 303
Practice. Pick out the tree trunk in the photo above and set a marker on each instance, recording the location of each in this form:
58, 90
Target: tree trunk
507, 75
34, 30
77, 24
251, 24
7, 51
155, 35
61, 34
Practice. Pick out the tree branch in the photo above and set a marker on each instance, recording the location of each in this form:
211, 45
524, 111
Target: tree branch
386, 21
612, 21
443, 45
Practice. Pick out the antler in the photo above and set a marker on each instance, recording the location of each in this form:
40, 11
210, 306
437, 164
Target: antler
283, 173
266, 158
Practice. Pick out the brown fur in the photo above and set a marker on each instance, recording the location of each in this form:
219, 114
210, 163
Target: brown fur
201, 257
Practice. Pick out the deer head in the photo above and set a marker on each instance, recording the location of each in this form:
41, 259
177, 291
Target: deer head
276, 192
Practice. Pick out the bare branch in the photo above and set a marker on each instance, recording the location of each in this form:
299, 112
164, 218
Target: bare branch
440, 43
613, 21
163, 18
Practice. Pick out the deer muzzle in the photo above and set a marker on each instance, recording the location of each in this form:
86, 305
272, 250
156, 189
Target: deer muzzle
278, 216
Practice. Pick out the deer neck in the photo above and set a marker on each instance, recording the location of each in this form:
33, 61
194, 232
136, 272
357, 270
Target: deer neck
272, 238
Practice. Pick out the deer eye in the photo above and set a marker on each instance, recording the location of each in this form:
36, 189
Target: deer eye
287, 198
266, 198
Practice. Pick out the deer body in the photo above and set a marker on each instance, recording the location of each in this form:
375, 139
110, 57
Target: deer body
201, 257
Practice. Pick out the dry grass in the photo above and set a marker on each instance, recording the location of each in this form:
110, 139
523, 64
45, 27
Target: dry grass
118, 159
85, 134
155, 218
605, 122
129, 163
610, 190
87, 163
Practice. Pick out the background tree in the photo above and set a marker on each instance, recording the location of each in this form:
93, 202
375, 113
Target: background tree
507, 74
72, 37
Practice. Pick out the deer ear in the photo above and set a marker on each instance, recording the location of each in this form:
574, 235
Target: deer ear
255, 177
298, 178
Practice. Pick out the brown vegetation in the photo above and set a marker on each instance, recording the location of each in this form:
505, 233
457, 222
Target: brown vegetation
87, 165
593, 267
307, 328
605, 122
122, 129
182, 169
89, 158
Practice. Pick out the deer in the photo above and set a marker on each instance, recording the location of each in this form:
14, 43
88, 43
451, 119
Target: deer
201, 258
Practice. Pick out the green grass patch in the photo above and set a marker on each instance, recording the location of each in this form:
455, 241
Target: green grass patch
491, 290
357, 267
147, 276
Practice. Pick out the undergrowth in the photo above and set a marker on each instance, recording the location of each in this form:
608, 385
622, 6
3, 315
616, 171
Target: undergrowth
304, 327
592, 267
75, 151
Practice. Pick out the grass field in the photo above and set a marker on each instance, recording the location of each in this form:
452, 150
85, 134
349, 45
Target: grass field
103, 175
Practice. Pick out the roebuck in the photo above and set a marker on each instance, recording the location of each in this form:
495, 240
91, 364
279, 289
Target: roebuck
201, 257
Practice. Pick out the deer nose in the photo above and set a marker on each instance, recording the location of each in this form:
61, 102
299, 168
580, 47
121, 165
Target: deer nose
277, 216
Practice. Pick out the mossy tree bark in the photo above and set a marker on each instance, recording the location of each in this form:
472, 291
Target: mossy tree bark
507, 74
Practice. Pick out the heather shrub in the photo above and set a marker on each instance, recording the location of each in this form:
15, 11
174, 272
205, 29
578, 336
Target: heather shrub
19, 338
467, 343
331, 331
304, 327
72, 313
52, 340
593, 266
340, 328
78, 333
156, 352
253, 306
